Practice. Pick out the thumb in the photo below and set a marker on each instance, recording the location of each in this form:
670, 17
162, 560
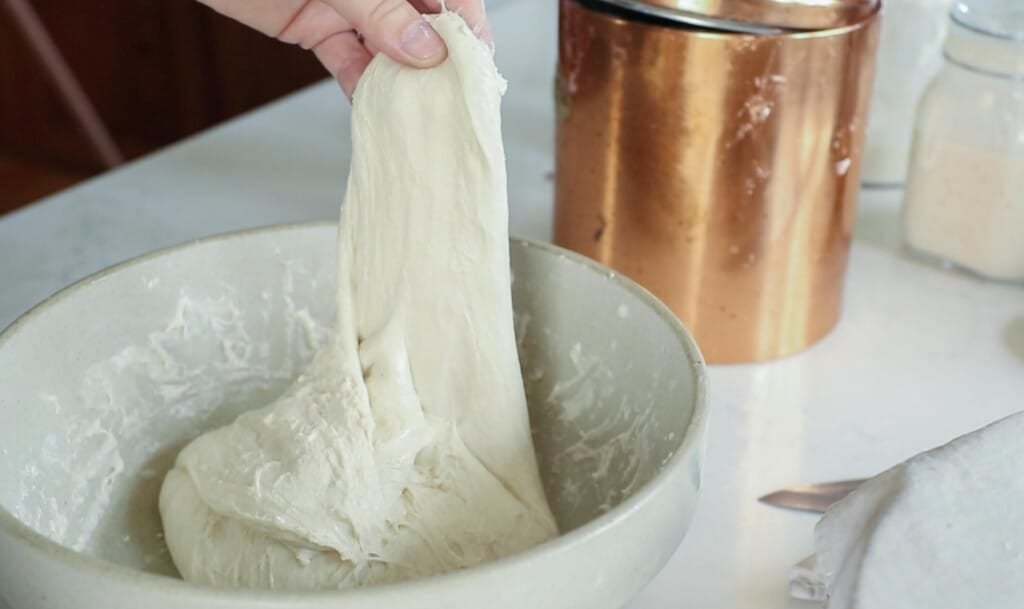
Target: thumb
396, 28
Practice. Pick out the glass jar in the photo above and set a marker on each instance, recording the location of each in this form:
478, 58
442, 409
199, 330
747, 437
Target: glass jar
909, 55
964, 200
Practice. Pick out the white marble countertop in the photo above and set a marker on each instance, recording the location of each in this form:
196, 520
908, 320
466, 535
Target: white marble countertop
921, 354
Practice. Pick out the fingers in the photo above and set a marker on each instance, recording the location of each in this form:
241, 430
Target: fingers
472, 11
267, 16
345, 57
395, 28
314, 23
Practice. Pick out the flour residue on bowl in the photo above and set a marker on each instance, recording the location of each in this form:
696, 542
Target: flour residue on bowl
605, 442
608, 443
93, 449
93, 485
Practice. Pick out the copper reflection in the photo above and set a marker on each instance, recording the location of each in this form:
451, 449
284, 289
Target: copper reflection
719, 170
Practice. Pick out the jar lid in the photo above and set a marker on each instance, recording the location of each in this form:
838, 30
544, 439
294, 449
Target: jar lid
755, 16
987, 36
1003, 19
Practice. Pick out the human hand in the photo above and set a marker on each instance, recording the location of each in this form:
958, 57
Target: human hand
345, 34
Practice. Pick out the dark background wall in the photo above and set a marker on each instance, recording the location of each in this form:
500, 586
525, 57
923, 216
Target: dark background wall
156, 70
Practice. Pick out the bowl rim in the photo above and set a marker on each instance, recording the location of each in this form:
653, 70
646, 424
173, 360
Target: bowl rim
691, 444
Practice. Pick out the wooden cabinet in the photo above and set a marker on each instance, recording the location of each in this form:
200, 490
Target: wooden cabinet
156, 70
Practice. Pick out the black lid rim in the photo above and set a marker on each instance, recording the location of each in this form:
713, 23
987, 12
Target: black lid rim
711, 22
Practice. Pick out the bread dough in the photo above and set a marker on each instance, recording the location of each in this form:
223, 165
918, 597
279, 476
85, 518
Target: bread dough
404, 450
939, 531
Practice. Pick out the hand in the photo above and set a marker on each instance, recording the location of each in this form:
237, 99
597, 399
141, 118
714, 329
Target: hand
345, 34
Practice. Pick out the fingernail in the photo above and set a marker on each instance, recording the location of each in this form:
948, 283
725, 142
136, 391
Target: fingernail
420, 41
483, 31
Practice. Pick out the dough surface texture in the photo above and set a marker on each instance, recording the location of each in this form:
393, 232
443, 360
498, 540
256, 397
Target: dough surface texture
404, 449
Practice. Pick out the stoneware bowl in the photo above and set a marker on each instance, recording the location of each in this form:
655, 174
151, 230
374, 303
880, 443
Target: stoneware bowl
102, 384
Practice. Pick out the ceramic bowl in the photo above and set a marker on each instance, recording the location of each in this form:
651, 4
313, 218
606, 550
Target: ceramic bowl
102, 384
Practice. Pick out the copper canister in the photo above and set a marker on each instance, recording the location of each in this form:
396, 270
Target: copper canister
711, 150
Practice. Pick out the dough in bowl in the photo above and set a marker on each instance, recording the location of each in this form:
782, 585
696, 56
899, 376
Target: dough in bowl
404, 449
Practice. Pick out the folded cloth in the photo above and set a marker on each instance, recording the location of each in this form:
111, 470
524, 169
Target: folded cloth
805, 582
942, 530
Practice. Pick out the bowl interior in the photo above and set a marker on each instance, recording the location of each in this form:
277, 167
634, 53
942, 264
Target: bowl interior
106, 382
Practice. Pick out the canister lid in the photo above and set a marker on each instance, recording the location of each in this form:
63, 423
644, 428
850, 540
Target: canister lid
755, 16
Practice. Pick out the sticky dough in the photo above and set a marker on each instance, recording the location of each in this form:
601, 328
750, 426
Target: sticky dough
404, 450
